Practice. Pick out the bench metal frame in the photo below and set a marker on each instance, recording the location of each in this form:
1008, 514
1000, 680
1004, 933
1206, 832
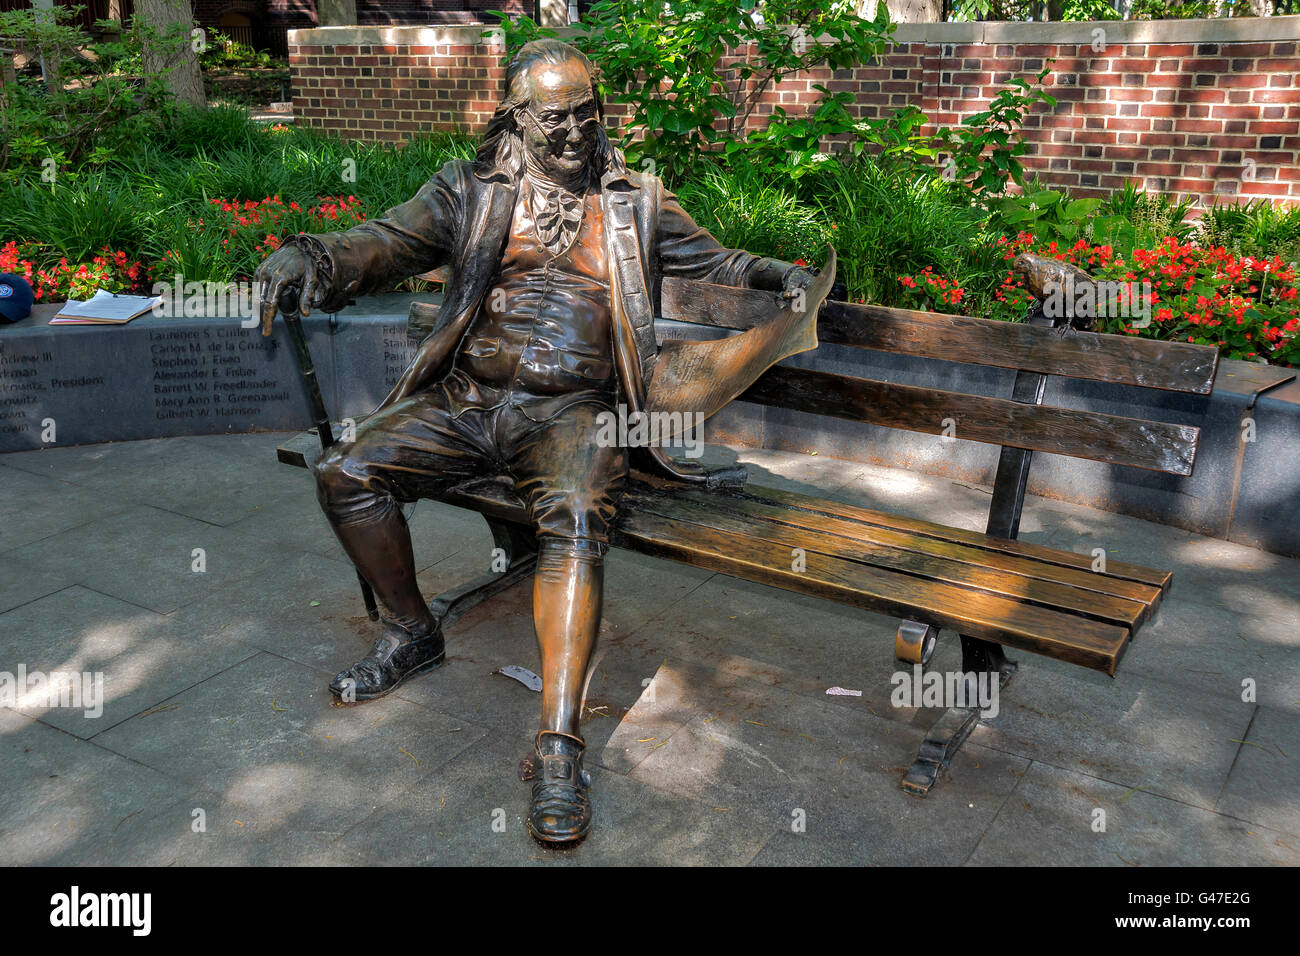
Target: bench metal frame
949, 732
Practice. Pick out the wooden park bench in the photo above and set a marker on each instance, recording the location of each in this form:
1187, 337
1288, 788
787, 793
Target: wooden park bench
989, 588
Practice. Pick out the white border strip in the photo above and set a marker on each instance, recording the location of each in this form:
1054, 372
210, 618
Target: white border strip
1237, 30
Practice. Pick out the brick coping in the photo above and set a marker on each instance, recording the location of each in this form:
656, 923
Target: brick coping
1237, 30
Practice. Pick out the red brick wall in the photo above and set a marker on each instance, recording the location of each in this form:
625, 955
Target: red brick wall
387, 91
1210, 118
1165, 104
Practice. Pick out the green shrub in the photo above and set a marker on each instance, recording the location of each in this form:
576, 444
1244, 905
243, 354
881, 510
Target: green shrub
746, 210
78, 215
1254, 228
224, 53
666, 62
56, 127
1052, 216
986, 148
150, 196
889, 222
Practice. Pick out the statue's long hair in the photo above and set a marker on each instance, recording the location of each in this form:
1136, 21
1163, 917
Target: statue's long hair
502, 148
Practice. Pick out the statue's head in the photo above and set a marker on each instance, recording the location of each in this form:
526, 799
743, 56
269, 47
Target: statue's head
552, 114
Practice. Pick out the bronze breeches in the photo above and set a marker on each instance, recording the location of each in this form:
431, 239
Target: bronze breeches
423, 445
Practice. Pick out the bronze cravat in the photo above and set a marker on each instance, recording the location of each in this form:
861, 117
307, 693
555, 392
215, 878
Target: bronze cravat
558, 215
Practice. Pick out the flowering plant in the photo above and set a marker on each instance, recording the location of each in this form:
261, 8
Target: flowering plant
250, 230
931, 291
110, 271
272, 219
1246, 307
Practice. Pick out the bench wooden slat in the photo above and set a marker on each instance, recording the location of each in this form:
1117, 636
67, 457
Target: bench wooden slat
865, 516
1025, 586
1085, 591
1154, 446
1067, 637
1063, 636
1169, 366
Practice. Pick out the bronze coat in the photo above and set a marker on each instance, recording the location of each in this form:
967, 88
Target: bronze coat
462, 219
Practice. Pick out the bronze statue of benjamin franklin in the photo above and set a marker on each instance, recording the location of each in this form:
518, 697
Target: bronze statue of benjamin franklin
555, 247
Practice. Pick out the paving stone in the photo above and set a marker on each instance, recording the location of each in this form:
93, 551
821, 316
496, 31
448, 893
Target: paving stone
439, 531
1211, 651
254, 445
479, 644
925, 497
500, 632
146, 556
142, 657
682, 691
1265, 778
791, 759
206, 829
112, 463
806, 644
266, 734
62, 794
29, 584
238, 659
942, 829
1049, 819
1207, 571
312, 613
471, 811
294, 522
36, 506
1134, 731
201, 480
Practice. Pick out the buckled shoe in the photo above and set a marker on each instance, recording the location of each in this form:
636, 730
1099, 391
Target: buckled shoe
395, 657
561, 806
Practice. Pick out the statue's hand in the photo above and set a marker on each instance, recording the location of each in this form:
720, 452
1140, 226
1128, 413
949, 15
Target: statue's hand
286, 274
797, 281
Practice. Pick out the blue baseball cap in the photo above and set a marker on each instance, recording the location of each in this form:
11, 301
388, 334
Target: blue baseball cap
15, 297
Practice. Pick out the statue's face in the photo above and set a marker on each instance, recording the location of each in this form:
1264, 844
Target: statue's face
561, 121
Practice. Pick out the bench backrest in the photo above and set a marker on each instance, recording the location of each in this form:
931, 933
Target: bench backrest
1011, 421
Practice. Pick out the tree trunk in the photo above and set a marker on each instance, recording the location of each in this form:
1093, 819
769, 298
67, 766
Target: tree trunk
554, 13
904, 11
168, 49
336, 13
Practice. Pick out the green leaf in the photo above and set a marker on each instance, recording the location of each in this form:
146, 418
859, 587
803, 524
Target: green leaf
1081, 208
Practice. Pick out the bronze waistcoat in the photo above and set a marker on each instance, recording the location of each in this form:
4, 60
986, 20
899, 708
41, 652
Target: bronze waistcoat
544, 326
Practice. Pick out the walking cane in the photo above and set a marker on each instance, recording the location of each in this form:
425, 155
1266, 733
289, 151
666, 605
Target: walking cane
288, 308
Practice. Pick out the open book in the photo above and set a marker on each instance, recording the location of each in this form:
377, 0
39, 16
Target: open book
105, 308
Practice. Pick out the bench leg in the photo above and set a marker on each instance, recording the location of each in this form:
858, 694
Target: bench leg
952, 728
368, 598
519, 545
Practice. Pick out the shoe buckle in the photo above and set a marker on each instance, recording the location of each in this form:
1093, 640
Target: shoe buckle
385, 646
557, 768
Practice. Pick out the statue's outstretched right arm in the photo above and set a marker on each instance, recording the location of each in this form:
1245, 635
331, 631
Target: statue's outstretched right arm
328, 269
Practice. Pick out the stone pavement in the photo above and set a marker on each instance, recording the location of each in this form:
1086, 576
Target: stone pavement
711, 738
